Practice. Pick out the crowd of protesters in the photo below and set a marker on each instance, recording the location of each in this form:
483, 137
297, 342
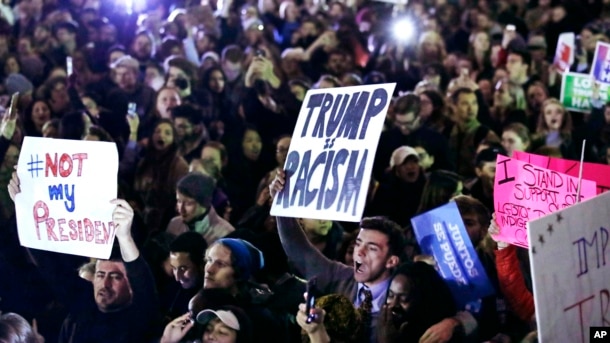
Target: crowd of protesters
201, 99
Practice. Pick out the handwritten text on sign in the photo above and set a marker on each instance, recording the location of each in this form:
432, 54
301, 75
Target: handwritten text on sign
523, 192
442, 234
574, 294
600, 173
331, 154
66, 188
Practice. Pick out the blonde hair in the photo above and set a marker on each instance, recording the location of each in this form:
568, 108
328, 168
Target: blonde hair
542, 128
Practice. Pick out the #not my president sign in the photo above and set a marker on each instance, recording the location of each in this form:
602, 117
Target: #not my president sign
524, 191
331, 155
66, 189
570, 263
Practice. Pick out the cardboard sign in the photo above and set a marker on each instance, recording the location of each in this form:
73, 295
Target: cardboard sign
570, 262
564, 54
66, 189
600, 173
441, 233
328, 167
577, 91
601, 63
524, 191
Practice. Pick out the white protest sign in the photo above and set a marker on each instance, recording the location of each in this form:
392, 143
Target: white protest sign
570, 260
328, 167
66, 189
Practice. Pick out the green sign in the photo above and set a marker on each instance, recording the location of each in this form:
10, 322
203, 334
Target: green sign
577, 90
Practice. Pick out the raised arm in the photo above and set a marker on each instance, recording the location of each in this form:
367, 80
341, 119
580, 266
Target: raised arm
512, 283
308, 260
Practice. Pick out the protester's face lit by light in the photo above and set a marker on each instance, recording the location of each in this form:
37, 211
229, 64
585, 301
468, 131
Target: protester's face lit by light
111, 286
114, 56
515, 67
163, 136
173, 74
217, 332
281, 150
184, 128
231, 70
64, 36
399, 296
298, 91
426, 160
511, 142
252, 145
317, 227
41, 34
187, 273
553, 116
217, 81
11, 65
308, 29
481, 42
219, 272
406, 122
188, 208
167, 99
502, 96
211, 161
467, 107
151, 75
372, 260
40, 113
487, 173
125, 78
475, 230
426, 107
10, 159
409, 170
142, 47
535, 97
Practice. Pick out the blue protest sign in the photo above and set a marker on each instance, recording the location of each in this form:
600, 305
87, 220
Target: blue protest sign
441, 233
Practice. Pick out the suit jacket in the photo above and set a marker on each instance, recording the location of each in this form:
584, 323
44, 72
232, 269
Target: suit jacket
332, 276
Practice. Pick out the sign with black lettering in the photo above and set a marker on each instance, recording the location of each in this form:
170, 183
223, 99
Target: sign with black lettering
328, 168
570, 260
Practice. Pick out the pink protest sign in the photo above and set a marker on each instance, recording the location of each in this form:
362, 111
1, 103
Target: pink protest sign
600, 173
524, 192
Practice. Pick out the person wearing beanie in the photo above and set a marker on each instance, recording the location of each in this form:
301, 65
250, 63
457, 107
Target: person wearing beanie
196, 212
230, 264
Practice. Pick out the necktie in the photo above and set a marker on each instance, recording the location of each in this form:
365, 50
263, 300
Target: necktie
366, 308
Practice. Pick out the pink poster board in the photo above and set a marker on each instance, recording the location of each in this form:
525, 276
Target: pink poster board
600, 173
524, 192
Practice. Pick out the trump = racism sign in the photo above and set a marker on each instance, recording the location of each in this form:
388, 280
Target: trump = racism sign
570, 262
331, 155
441, 233
66, 189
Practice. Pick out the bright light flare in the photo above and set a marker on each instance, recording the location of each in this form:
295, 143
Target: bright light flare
404, 30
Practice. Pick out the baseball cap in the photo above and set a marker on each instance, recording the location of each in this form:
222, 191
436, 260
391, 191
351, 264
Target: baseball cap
399, 155
536, 42
226, 317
